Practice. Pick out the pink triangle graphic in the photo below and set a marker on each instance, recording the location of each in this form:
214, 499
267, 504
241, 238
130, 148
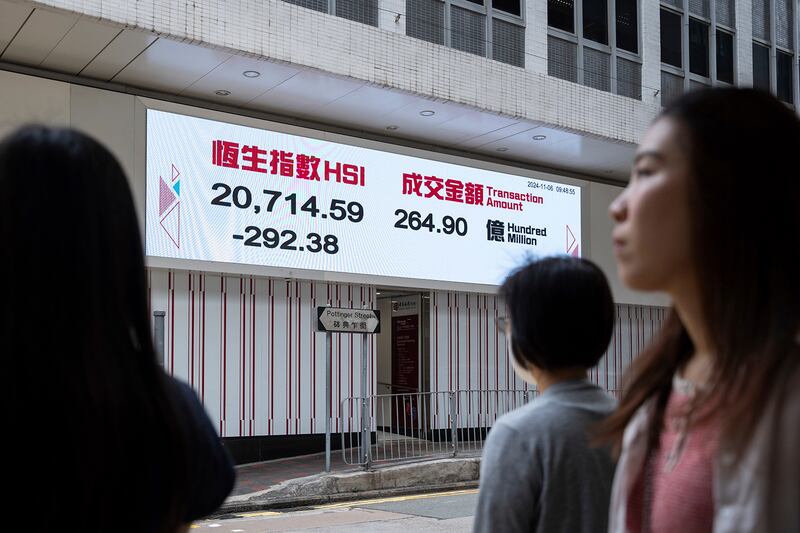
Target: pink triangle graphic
570, 235
165, 196
175, 173
576, 252
171, 224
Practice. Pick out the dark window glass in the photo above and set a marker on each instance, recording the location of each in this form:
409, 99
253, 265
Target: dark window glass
509, 6
724, 57
627, 26
479, 2
561, 14
783, 71
698, 47
760, 67
595, 21
671, 38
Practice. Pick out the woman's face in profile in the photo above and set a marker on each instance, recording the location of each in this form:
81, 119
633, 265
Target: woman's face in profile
651, 231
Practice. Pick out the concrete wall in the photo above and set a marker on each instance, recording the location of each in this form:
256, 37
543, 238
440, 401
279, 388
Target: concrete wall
385, 56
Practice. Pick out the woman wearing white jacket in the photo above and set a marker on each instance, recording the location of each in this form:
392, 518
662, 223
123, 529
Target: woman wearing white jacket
709, 425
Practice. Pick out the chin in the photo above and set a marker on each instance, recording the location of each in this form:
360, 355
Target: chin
638, 280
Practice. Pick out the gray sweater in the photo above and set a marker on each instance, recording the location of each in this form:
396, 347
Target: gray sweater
538, 472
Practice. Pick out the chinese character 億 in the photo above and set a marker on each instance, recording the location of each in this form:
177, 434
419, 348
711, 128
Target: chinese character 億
494, 230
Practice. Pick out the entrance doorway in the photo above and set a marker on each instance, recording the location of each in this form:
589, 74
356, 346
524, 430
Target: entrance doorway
403, 358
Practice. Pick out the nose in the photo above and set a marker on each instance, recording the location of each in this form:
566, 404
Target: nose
618, 210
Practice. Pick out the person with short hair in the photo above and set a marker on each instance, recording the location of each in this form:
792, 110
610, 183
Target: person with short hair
539, 471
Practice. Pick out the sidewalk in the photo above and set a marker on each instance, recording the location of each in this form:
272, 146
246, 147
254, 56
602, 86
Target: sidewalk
301, 481
256, 477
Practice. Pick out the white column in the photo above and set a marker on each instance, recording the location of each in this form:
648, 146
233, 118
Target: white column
744, 43
536, 35
650, 29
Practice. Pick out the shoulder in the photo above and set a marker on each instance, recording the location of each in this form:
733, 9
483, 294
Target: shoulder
540, 411
575, 405
186, 399
523, 430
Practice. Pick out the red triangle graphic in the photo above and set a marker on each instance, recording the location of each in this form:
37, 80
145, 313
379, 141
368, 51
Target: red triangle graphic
175, 173
165, 196
172, 224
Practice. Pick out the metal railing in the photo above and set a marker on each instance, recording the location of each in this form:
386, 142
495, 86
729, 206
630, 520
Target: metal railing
400, 427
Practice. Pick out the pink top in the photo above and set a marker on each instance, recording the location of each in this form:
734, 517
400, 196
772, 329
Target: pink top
681, 476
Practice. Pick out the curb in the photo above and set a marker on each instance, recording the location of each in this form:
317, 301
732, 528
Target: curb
398, 480
298, 504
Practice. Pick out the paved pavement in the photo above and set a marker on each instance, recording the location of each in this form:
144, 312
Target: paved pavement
439, 512
255, 477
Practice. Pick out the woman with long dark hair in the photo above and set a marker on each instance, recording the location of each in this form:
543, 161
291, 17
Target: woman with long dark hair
709, 423
100, 438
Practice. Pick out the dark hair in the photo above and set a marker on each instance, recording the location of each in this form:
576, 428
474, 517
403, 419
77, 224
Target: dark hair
744, 203
561, 313
93, 424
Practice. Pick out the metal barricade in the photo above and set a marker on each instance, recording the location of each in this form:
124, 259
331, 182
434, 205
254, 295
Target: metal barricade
412, 426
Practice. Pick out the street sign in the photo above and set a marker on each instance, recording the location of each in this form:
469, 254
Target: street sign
341, 320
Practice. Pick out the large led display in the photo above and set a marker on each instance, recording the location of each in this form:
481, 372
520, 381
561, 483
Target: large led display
234, 194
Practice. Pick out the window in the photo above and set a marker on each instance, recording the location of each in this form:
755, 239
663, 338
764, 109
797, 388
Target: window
490, 28
784, 29
761, 67
784, 74
425, 20
698, 48
774, 53
725, 12
761, 19
595, 43
562, 59
467, 30
561, 15
688, 61
512, 7
724, 57
627, 25
671, 38
363, 11
595, 21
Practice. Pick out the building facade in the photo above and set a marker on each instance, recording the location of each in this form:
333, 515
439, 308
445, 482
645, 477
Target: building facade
552, 90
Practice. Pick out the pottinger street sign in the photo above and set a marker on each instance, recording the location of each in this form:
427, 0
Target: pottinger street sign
341, 320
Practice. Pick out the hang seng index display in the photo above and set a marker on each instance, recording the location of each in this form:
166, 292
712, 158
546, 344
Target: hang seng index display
234, 194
